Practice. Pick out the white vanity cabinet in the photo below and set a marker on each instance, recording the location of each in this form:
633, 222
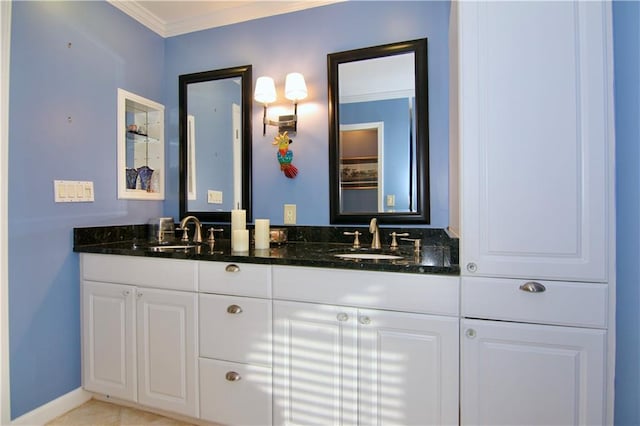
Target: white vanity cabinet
532, 124
139, 330
338, 361
531, 374
235, 343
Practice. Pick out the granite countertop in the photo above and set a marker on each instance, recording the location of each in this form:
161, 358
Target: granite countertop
307, 246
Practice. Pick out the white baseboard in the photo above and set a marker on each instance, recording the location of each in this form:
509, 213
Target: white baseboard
49, 411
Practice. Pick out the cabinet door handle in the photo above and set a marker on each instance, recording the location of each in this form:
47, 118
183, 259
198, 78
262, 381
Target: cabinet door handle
126, 292
342, 316
232, 376
234, 309
470, 333
232, 268
533, 287
139, 294
365, 320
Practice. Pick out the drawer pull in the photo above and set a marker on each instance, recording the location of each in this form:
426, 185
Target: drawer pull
234, 309
532, 287
232, 376
232, 268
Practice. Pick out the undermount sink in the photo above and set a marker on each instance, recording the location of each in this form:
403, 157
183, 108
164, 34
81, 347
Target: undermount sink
368, 256
172, 248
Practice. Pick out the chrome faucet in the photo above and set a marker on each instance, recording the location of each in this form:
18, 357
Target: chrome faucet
373, 228
183, 225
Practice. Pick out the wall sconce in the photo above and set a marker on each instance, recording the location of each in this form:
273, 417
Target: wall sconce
295, 89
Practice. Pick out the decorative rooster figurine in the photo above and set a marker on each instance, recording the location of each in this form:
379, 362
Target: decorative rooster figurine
285, 155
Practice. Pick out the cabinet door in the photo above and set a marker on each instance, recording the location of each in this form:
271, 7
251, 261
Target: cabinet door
536, 129
167, 360
315, 355
524, 374
108, 339
408, 369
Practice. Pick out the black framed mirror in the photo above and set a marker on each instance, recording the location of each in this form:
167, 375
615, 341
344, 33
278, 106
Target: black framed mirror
379, 134
215, 143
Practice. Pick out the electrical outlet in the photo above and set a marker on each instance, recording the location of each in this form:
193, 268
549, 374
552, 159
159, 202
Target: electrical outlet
391, 200
289, 214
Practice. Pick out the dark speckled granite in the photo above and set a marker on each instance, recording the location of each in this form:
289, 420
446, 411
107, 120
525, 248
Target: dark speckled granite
307, 246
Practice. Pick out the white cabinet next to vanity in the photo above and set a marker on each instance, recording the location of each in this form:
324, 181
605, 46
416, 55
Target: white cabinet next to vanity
338, 361
532, 123
139, 330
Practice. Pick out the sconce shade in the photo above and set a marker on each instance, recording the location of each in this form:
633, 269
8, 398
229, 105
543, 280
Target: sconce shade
295, 87
265, 91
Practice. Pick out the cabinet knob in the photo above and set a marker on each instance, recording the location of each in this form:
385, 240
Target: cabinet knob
365, 320
232, 376
472, 267
126, 292
234, 309
232, 268
139, 294
470, 333
342, 316
533, 287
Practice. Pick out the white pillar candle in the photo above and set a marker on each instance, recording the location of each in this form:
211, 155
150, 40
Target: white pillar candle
262, 234
238, 219
240, 240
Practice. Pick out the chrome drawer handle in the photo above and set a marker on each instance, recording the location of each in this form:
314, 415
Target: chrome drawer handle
232, 268
234, 309
232, 376
532, 287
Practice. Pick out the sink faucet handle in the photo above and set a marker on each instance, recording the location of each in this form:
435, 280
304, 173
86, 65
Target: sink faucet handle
394, 241
417, 242
212, 238
185, 233
356, 240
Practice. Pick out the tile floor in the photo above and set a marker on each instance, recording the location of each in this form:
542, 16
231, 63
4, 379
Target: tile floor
102, 413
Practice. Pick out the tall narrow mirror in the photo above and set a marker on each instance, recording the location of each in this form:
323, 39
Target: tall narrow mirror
378, 134
215, 143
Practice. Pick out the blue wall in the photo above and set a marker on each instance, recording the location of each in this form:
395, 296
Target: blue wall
300, 42
626, 18
50, 82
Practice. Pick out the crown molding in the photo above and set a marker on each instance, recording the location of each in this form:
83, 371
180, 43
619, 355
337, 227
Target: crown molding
216, 18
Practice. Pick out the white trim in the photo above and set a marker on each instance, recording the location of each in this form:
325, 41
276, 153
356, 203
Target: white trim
5, 41
379, 127
243, 11
49, 411
191, 157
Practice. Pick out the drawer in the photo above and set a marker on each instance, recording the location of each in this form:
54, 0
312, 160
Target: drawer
235, 328
245, 401
562, 303
238, 279
421, 293
171, 274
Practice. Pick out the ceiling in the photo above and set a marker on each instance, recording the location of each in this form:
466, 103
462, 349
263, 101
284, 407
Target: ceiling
174, 17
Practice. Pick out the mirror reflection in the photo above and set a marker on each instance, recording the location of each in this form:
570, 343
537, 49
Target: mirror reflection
378, 134
215, 143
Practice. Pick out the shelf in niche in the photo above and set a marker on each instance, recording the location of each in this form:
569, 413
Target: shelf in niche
140, 137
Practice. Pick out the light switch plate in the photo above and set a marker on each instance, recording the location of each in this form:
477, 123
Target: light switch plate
214, 197
72, 191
